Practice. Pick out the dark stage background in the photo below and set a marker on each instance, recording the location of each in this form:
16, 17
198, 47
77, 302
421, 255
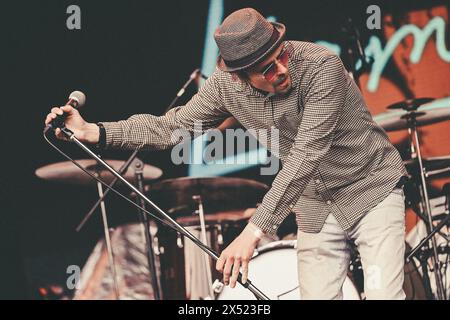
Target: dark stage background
129, 57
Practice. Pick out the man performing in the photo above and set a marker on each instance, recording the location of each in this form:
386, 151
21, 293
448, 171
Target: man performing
340, 174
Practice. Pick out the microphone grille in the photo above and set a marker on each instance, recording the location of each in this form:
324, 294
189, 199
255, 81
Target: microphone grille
79, 97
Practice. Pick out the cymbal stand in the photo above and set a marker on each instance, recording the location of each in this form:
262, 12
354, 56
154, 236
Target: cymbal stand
416, 154
122, 170
138, 167
208, 266
108, 240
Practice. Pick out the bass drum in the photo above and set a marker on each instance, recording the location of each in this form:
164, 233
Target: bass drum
274, 271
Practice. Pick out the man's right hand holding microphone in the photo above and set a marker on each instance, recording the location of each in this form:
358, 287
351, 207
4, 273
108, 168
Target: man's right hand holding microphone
84, 131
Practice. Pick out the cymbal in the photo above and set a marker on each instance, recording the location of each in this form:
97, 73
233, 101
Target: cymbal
433, 165
67, 172
223, 196
410, 104
393, 120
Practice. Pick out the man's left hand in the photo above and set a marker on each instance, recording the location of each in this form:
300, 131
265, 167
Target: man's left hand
238, 254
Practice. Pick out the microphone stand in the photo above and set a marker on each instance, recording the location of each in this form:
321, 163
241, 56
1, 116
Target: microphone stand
248, 285
355, 51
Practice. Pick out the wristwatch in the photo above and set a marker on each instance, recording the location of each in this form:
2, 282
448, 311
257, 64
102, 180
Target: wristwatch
101, 144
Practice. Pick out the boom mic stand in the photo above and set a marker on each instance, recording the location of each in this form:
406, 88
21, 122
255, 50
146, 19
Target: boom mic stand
355, 51
248, 285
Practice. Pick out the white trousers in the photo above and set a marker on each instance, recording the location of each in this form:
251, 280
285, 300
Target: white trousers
324, 257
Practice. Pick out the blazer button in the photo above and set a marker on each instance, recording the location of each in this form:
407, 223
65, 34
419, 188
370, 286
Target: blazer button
328, 201
317, 181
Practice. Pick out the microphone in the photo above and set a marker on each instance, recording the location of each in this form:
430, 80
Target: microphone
77, 99
195, 76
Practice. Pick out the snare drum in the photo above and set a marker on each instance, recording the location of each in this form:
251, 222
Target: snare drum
274, 271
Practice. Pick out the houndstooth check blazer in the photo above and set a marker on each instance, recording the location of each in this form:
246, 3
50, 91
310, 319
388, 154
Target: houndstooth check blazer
335, 158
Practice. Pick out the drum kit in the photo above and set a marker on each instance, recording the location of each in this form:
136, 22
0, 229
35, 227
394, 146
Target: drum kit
216, 209
412, 114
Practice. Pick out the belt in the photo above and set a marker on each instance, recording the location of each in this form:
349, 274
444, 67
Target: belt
401, 182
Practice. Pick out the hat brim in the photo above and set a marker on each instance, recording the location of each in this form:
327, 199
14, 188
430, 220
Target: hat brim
281, 31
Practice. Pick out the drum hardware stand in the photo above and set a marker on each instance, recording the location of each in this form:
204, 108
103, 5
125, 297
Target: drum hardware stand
179, 241
94, 207
168, 219
100, 202
138, 167
108, 239
422, 256
419, 210
180, 244
410, 117
423, 245
219, 235
201, 213
435, 172
441, 224
217, 286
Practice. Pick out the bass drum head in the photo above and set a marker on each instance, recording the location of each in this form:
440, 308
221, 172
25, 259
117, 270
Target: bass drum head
274, 272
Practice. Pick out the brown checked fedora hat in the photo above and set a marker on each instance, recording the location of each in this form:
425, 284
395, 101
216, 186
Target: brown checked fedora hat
245, 38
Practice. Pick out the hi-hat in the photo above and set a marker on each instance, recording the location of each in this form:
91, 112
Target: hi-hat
67, 172
395, 119
410, 104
